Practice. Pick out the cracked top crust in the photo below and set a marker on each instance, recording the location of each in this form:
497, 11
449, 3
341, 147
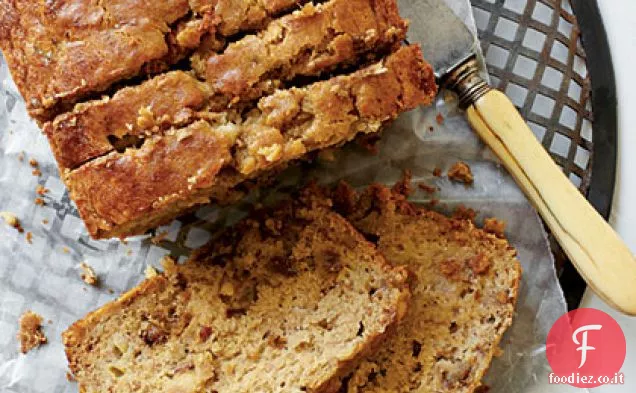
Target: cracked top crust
306, 43
61, 51
313, 78
284, 127
98, 127
310, 42
164, 170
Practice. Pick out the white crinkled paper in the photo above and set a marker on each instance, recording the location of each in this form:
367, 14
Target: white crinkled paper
44, 276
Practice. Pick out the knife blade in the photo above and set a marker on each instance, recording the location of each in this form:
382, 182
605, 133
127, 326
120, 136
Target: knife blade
595, 249
445, 40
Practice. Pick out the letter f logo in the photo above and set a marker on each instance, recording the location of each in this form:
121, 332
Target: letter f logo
583, 345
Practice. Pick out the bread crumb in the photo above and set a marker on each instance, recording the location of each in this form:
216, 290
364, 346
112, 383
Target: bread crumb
495, 226
159, 237
36, 172
29, 237
34, 163
437, 172
460, 172
12, 220
439, 119
462, 212
88, 274
110, 291
403, 186
70, 377
39, 202
30, 333
41, 190
66, 250
45, 221
150, 272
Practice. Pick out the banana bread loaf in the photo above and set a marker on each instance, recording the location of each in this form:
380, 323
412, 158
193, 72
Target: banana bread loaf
463, 302
148, 151
127, 193
287, 301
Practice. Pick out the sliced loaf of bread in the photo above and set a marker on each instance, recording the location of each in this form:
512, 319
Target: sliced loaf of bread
463, 301
287, 301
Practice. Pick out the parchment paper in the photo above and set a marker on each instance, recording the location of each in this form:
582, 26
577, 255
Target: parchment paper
44, 276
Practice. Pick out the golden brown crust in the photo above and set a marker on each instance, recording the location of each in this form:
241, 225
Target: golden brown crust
287, 126
292, 46
59, 52
164, 169
261, 296
233, 16
82, 47
307, 43
463, 302
93, 129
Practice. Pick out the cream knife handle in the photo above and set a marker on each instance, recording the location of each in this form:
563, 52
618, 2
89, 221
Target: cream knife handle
596, 250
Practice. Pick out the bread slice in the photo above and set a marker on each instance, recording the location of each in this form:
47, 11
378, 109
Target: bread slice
463, 302
307, 43
60, 52
127, 193
283, 302
95, 128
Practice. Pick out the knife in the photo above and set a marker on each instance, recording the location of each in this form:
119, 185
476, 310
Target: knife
595, 249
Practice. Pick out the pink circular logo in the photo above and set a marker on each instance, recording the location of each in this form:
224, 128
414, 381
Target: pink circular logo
586, 348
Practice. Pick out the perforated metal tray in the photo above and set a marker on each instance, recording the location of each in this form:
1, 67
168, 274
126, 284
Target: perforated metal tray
551, 58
